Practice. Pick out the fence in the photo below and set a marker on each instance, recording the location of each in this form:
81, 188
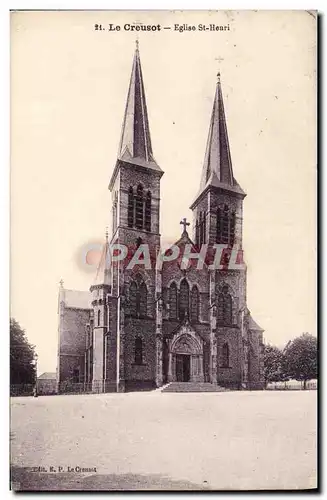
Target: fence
66, 387
95, 387
292, 385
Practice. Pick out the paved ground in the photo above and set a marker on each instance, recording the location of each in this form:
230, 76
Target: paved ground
228, 440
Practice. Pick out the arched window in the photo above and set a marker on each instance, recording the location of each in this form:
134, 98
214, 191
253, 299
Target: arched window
225, 308
138, 298
232, 228
173, 301
148, 211
228, 309
138, 355
139, 216
184, 299
195, 304
226, 222
225, 225
203, 239
142, 300
197, 233
220, 309
99, 317
225, 356
132, 299
130, 212
219, 225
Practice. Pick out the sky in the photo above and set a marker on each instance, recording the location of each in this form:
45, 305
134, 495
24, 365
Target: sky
69, 85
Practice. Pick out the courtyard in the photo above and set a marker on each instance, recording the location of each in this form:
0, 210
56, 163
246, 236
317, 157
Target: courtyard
165, 441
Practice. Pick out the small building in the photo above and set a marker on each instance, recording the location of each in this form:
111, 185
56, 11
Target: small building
47, 383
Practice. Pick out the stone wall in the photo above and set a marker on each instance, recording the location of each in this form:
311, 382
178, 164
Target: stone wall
72, 342
229, 376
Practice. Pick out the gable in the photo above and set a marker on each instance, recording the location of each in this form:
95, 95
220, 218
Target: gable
172, 271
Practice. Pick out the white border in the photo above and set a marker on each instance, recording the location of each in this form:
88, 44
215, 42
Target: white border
5, 6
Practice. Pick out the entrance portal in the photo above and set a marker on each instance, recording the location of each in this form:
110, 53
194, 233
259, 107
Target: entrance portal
183, 367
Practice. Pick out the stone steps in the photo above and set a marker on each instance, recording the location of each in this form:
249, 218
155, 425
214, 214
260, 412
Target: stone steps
193, 387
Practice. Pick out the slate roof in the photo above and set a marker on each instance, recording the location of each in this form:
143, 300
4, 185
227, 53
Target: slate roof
217, 168
254, 326
103, 273
135, 144
47, 376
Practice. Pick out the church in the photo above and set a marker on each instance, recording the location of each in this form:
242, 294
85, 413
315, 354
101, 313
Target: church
140, 327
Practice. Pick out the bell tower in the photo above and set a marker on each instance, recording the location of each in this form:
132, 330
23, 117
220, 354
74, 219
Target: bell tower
135, 190
135, 182
217, 209
217, 219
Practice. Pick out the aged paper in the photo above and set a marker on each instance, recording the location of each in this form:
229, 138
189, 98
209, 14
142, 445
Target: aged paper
149, 306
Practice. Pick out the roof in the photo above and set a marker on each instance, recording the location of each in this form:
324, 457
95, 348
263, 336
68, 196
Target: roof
217, 168
76, 299
47, 376
182, 242
135, 144
103, 273
253, 325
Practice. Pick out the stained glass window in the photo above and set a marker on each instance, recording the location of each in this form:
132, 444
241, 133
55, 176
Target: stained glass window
195, 304
173, 301
138, 351
184, 299
225, 355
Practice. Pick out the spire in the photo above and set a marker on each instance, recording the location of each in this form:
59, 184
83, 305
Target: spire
217, 161
103, 273
135, 143
217, 168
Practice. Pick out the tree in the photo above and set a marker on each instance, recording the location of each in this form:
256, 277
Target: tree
22, 356
300, 358
273, 364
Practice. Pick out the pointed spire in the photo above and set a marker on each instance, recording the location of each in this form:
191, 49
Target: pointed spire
217, 169
217, 161
103, 273
135, 143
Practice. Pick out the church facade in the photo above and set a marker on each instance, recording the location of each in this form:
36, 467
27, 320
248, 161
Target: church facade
141, 326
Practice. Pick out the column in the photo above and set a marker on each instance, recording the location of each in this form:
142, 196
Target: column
201, 374
159, 354
120, 312
159, 339
213, 328
97, 382
170, 366
89, 366
244, 352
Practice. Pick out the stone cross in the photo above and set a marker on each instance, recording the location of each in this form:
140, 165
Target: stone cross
61, 283
184, 223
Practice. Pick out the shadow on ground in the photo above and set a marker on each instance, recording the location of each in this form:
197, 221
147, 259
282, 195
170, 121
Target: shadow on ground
23, 479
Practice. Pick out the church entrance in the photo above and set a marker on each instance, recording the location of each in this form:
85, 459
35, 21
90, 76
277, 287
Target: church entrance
183, 363
185, 356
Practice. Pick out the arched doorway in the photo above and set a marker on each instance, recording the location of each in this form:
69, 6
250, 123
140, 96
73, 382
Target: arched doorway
186, 358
